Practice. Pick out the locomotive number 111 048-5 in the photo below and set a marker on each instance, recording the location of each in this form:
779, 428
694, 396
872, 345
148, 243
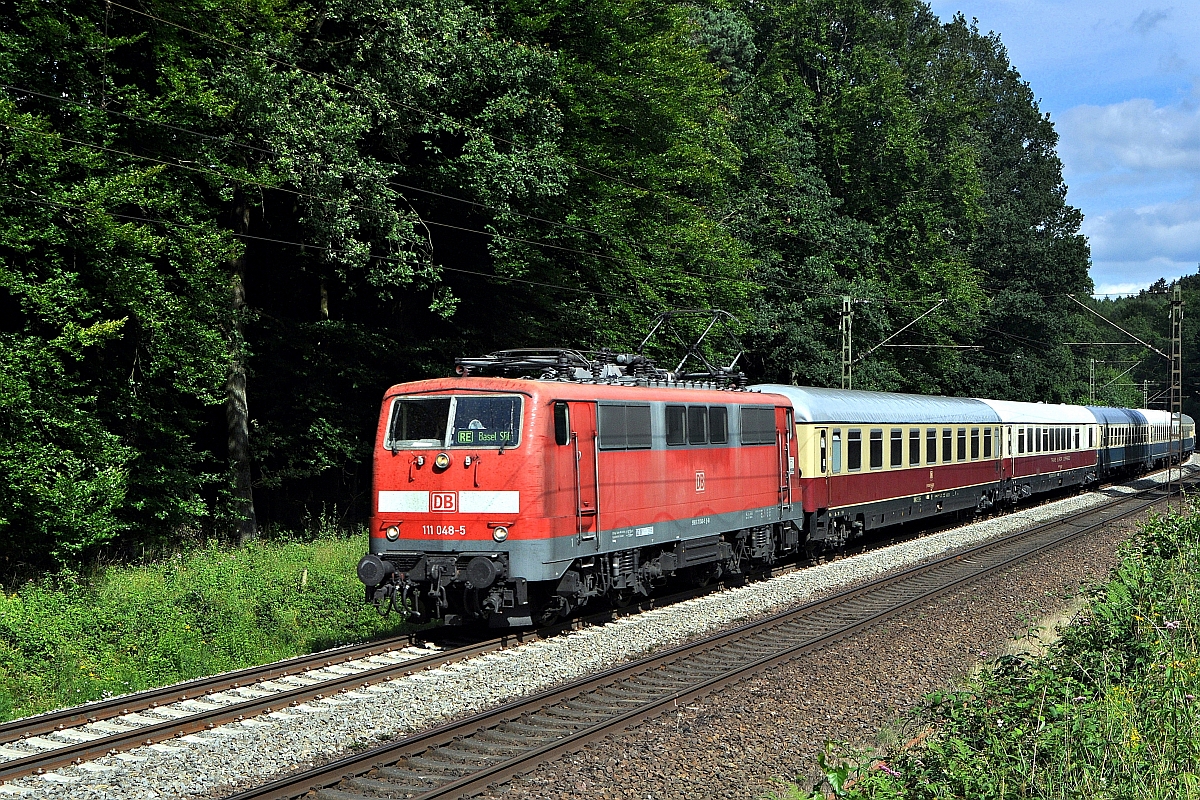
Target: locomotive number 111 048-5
444, 530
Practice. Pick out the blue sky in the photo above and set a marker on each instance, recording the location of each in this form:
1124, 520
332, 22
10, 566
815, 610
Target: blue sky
1121, 82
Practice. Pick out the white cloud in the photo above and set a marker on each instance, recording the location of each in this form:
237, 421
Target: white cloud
1133, 135
1163, 230
1120, 289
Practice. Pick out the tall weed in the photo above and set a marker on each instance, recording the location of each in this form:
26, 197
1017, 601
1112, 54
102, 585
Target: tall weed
1110, 711
70, 639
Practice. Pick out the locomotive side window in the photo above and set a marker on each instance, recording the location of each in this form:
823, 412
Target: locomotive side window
947, 445
718, 424
837, 450
962, 444
676, 425
854, 450
877, 449
931, 445
562, 424
697, 424
758, 425
914, 446
897, 447
418, 422
624, 427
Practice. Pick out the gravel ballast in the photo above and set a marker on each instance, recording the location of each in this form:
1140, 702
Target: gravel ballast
252, 751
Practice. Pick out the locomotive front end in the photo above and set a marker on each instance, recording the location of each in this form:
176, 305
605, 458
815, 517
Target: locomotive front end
450, 471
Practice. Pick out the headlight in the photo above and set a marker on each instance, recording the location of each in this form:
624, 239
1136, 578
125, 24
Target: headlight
500, 533
442, 461
392, 533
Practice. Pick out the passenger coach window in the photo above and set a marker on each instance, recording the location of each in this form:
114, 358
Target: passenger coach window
931, 445
974, 443
676, 425
914, 446
962, 444
853, 450
718, 424
1077, 438
1020, 441
987, 442
1091, 437
624, 427
947, 445
562, 424
1045, 439
877, 449
697, 425
897, 447
837, 450
824, 452
758, 424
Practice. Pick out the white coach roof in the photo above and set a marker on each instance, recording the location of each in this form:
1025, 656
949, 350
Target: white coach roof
1040, 413
812, 404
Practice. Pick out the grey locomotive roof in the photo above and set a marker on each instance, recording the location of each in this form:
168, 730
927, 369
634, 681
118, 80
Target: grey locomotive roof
1107, 415
812, 404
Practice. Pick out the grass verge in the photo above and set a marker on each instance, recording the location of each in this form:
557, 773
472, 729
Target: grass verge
1109, 711
69, 639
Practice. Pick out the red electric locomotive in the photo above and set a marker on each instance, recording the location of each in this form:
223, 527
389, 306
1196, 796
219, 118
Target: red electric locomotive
515, 500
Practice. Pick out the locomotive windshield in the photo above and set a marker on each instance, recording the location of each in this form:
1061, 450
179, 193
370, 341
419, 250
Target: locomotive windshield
466, 421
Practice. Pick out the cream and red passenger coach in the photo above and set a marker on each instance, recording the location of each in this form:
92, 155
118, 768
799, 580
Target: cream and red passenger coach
516, 499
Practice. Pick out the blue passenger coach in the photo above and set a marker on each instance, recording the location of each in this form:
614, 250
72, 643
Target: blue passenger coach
1136, 440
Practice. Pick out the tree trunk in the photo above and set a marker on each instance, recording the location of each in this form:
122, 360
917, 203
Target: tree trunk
237, 412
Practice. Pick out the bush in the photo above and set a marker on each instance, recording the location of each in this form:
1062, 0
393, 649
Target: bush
1109, 712
69, 639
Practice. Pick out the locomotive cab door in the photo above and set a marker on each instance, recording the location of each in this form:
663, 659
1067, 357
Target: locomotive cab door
584, 439
575, 471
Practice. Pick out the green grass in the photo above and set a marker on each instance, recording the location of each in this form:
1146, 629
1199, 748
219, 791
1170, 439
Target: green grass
66, 640
1110, 711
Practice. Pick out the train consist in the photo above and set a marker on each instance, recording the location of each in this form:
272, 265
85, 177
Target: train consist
514, 500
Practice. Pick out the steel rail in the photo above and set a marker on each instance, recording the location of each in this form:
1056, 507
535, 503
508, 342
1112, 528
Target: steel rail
971, 566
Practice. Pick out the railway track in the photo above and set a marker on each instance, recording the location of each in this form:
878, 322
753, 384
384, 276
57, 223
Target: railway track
148, 718
465, 757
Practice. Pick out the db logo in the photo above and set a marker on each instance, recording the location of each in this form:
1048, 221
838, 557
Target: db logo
699, 481
443, 501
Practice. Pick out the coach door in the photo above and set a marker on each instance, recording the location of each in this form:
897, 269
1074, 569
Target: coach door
586, 475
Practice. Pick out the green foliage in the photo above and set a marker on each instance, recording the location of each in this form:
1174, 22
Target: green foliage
1110, 711
71, 639
397, 182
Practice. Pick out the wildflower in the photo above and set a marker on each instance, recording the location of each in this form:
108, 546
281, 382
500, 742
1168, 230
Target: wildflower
1080, 699
1189, 697
1172, 625
885, 768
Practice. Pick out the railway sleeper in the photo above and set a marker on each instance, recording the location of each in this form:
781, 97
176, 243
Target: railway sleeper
386, 788
553, 728
401, 774
427, 762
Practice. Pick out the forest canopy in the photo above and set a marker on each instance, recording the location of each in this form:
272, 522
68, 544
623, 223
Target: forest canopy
229, 226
